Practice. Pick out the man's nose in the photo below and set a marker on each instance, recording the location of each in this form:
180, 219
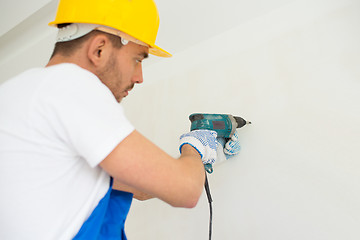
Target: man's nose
138, 75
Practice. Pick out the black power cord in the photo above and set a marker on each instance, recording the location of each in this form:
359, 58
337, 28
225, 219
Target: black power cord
207, 189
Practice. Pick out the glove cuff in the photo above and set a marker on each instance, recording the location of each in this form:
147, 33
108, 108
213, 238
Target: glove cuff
195, 144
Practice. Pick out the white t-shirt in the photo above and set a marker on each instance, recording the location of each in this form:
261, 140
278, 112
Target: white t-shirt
56, 125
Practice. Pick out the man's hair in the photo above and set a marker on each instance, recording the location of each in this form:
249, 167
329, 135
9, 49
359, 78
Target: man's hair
69, 47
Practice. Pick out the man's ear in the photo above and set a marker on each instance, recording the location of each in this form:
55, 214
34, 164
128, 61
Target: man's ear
98, 50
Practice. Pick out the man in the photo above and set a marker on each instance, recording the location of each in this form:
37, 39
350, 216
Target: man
65, 144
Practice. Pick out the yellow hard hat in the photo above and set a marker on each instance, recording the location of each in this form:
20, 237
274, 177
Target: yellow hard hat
137, 18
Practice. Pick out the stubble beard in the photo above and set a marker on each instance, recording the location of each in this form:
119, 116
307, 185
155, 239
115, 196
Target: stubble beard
110, 75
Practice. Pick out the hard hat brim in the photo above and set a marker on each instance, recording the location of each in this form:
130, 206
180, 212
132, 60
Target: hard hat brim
155, 50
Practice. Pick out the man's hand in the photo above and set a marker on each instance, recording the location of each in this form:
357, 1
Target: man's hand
204, 141
227, 150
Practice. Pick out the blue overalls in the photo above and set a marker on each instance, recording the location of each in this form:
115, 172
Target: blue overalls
107, 220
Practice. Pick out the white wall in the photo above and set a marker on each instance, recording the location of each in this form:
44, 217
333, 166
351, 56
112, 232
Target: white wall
25, 39
294, 72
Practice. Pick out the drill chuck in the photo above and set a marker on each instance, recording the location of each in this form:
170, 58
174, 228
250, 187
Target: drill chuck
240, 122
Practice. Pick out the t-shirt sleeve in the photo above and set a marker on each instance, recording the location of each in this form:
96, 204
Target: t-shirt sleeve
84, 115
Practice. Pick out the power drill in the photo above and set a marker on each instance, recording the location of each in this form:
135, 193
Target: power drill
224, 124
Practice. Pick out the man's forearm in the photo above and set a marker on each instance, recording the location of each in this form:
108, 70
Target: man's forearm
137, 194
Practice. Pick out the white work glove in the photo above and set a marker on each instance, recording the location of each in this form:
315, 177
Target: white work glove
227, 150
204, 141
